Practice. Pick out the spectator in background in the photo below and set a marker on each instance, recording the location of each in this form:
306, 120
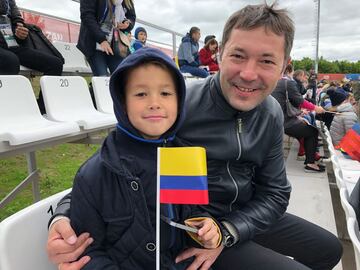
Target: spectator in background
13, 51
295, 126
140, 38
208, 54
98, 17
342, 122
300, 78
188, 54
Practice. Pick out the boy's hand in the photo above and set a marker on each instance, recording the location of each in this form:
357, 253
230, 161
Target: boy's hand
63, 246
209, 233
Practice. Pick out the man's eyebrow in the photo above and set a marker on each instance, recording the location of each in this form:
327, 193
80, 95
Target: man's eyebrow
266, 54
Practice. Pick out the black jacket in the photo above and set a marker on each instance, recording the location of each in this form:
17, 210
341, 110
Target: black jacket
246, 172
295, 99
14, 14
114, 192
91, 13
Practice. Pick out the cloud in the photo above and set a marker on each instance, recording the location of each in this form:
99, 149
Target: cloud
339, 31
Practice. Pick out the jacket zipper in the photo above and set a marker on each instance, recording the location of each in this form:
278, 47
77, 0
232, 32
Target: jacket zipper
238, 132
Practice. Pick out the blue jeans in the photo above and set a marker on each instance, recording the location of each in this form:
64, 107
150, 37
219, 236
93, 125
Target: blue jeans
195, 71
100, 62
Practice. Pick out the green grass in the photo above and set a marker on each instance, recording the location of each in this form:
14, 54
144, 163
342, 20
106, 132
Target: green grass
57, 165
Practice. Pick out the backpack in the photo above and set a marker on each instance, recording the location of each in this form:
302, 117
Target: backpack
38, 41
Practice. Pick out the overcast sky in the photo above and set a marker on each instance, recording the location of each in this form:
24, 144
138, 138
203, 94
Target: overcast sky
339, 21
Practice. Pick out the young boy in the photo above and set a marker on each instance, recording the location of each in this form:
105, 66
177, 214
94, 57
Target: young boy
114, 192
140, 38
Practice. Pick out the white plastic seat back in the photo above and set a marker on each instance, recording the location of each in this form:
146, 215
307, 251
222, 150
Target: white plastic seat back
16, 97
344, 198
74, 58
353, 229
20, 118
67, 98
102, 95
24, 235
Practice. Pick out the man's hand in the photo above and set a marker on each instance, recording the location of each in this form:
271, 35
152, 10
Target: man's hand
74, 265
105, 46
204, 258
21, 31
63, 246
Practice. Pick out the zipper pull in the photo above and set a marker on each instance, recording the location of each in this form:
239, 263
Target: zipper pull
164, 143
239, 125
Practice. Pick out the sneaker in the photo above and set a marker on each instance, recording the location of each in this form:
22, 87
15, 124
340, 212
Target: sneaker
300, 158
309, 169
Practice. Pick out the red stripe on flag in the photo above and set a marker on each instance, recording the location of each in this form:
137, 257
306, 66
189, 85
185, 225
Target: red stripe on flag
180, 196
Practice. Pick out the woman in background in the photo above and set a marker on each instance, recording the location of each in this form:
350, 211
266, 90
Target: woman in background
98, 18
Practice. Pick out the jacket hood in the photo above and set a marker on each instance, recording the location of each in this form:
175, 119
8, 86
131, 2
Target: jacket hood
187, 38
117, 89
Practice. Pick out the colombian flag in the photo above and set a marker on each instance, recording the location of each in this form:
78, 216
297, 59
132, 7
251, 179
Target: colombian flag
183, 175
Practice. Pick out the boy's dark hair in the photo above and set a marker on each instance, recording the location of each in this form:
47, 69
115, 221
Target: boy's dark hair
147, 62
263, 15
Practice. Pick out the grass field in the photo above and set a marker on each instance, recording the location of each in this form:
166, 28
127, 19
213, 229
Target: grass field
57, 165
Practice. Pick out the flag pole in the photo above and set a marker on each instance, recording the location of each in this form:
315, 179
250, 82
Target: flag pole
158, 211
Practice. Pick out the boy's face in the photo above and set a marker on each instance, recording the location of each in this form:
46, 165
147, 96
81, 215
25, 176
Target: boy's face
248, 73
151, 100
142, 36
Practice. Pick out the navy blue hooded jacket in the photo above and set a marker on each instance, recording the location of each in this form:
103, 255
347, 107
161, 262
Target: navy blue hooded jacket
188, 53
114, 192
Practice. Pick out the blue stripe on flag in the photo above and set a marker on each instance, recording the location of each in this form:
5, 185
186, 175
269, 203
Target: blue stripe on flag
183, 182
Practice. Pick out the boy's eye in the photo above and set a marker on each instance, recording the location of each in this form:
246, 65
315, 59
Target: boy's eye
167, 93
140, 94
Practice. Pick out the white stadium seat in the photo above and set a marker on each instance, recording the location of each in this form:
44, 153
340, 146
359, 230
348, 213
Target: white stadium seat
24, 235
102, 95
74, 59
67, 99
348, 209
20, 118
353, 229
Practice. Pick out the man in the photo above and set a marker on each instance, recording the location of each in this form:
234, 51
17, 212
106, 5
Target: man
188, 54
241, 126
13, 50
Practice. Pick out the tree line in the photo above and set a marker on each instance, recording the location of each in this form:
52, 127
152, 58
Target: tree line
325, 66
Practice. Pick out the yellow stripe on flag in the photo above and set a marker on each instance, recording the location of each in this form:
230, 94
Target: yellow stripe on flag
185, 161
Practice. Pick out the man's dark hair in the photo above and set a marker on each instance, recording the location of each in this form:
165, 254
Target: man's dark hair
193, 30
264, 15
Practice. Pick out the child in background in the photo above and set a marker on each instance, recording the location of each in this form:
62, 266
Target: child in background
346, 118
208, 54
114, 192
140, 38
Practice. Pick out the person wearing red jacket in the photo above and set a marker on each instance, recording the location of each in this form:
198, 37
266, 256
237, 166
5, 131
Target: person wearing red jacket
208, 54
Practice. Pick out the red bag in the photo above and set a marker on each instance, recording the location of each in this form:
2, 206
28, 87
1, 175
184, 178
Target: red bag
350, 143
